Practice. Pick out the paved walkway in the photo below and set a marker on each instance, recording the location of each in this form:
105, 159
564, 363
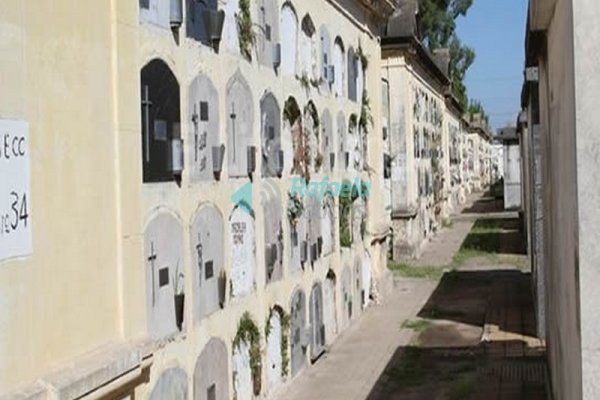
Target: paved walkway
488, 310
350, 369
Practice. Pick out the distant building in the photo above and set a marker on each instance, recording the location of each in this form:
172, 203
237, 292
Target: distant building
512, 167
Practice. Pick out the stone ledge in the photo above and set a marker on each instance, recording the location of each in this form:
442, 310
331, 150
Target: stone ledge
87, 373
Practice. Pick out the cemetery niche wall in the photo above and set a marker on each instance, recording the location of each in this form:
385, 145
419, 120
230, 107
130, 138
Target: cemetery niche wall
317, 323
211, 373
267, 34
242, 242
160, 121
327, 149
172, 384
271, 149
207, 250
273, 231
289, 39
299, 335
240, 124
163, 241
203, 128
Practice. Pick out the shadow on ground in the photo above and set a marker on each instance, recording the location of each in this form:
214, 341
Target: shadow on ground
474, 340
485, 204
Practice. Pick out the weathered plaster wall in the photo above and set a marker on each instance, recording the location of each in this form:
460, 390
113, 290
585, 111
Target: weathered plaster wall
65, 298
586, 14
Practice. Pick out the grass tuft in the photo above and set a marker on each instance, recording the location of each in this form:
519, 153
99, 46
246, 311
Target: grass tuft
414, 271
417, 325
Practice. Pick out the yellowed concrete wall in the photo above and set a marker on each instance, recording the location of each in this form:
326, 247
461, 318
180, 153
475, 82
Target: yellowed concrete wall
72, 71
56, 73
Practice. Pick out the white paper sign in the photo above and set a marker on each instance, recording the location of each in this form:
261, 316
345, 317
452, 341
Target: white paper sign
15, 196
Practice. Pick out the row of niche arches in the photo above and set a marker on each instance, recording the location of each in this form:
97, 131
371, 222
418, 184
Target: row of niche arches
211, 370
301, 52
164, 266
161, 128
165, 272
165, 278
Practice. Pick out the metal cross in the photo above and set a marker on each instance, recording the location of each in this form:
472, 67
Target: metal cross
152, 260
233, 116
146, 104
195, 121
199, 251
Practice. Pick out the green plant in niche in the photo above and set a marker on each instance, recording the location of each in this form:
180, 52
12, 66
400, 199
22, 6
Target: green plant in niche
366, 118
345, 223
295, 209
245, 34
304, 81
249, 333
285, 343
360, 55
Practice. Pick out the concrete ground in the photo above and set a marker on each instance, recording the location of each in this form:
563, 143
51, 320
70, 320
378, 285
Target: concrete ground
468, 335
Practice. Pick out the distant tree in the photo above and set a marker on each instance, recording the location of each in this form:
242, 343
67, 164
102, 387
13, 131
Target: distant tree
438, 30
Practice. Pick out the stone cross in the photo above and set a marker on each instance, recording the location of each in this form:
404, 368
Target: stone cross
152, 260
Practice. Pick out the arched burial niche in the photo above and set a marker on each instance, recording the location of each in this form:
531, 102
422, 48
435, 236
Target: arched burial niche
211, 374
172, 385
342, 159
325, 58
206, 239
327, 149
203, 128
160, 121
367, 276
242, 241
239, 114
230, 36
352, 73
246, 362
338, 67
299, 337
329, 306
273, 231
267, 35
347, 300
289, 39
353, 144
196, 21
312, 152
317, 337
293, 132
156, 12
164, 275
297, 217
277, 337
328, 223
270, 121
308, 49
358, 288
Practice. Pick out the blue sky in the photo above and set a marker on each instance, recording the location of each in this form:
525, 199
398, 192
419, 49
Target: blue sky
495, 29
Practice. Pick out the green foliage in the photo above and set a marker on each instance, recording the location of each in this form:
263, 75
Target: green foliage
366, 118
291, 111
416, 271
245, 33
249, 333
417, 325
285, 343
475, 107
304, 81
295, 208
360, 55
345, 221
438, 30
